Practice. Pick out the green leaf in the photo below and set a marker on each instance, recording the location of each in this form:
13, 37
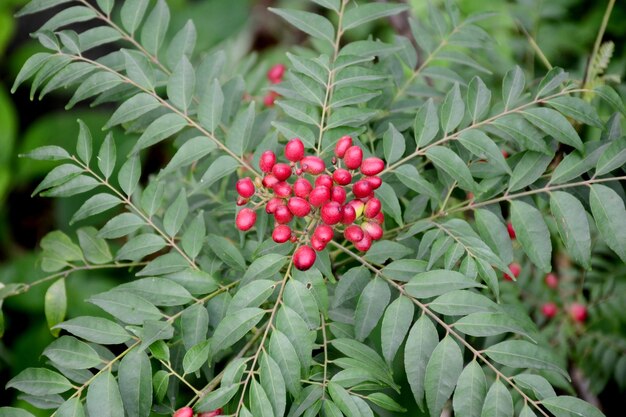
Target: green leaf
95, 205
252, 294
183, 43
155, 28
191, 151
162, 128
612, 158
310, 23
539, 386
193, 238
343, 400
216, 398
210, 107
519, 130
555, 125
577, 109
370, 308
158, 291
31, 66
273, 384
107, 156
238, 137
16, 412
478, 99
386, 402
220, 168
232, 328
285, 355
498, 401
523, 354
160, 383
194, 324
386, 249
264, 267
329, 4
479, 144
300, 298
132, 109
103, 397
176, 214
393, 145
566, 406
532, 233
609, 213
181, 85
259, 402
39, 381
461, 303
140, 246
57, 176
55, 305
121, 225
97, 83
127, 307
410, 176
95, 329
512, 87
73, 407
452, 110
71, 353
77, 185
132, 14
38, 6
494, 233
442, 373
364, 355
366, 12
396, 323
84, 143
94, 248
572, 224
297, 331
390, 203
196, 357
450, 163
135, 379
129, 175
426, 124
68, 16
227, 252
421, 342
529, 169
482, 324
436, 282
106, 5
609, 95
470, 391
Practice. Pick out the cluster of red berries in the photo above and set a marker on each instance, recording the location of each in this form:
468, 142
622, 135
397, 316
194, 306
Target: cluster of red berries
318, 195
188, 412
275, 76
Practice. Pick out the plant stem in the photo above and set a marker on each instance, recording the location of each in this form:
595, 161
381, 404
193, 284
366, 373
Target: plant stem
598, 42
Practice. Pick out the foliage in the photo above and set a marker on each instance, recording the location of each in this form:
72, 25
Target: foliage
220, 319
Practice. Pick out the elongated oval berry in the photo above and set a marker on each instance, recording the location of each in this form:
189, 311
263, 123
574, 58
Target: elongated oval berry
294, 150
281, 171
331, 213
269, 181
275, 73
304, 258
353, 233
342, 146
342, 176
338, 194
282, 214
353, 157
324, 180
267, 161
324, 233
361, 189
183, 412
549, 310
302, 187
317, 243
215, 413
516, 269
372, 208
358, 207
270, 98
364, 244
281, 233
245, 219
298, 206
242, 201
245, 187
380, 218
271, 205
349, 215
319, 195
509, 228
374, 181
372, 166
578, 312
282, 189
373, 230
313, 165
552, 280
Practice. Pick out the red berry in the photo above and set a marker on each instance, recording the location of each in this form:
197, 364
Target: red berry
338, 194
372, 208
361, 189
282, 214
299, 206
281, 233
313, 165
281, 171
293, 238
349, 215
380, 218
364, 244
505, 154
319, 195
324, 180
183, 412
294, 150
331, 213
269, 181
275, 74
282, 189
242, 201
353, 233
215, 413
549, 310
375, 182
245, 187
516, 269
353, 157
342, 176
324, 233
271, 205
304, 258
267, 161
270, 98
245, 219
358, 207
552, 281
317, 243
342, 146
373, 230
302, 187
509, 228
578, 312
372, 166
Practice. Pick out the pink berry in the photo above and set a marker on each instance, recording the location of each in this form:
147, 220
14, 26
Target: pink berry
353, 233
245, 187
282, 189
372, 166
317, 243
282, 214
552, 281
281, 171
215, 413
313, 165
299, 206
245, 219
578, 312
516, 269
304, 258
267, 161
358, 207
183, 412
338, 194
364, 244
324, 180
270, 98
549, 310
361, 189
342, 146
353, 157
380, 218
242, 201
509, 228
349, 215
342, 176
372, 208
319, 195
269, 181
281, 233
331, 213
271, 205
324, 233
302, 187
374, 181
275, 74
294, 150
373, 230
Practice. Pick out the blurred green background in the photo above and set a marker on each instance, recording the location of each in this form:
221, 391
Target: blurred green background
563, 29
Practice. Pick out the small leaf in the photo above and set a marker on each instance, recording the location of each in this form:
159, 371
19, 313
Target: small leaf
95, 205
190, 152
470, 391
396, 323
450, 163
103, 397
181, 84
576, 108
139, 69
182, 44
107, 156
196, 357
565, 406
285, 355
84, 143
555, 125
532, 233
478, 99
132, 109
273, 384
129, 175
370, 308
452, 110
135, 383
442, 373
55, 305
390, 203
95, 329
421, 342
227, 252
612, 158
234, 327
121, 225
393, 145
210, 107
553, 79
498, 402
39, 381
479, 144
132, 14
221, 167
523, 354
71, 353
162, 128
155, 28
238, 138
512, 86
216, 398
572, 224
366, 12
259, 402
436, 282
176, 214
529, 169
94, 248
426, 124
311, 23
193, 238
610, 216
194, 325
140, 246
